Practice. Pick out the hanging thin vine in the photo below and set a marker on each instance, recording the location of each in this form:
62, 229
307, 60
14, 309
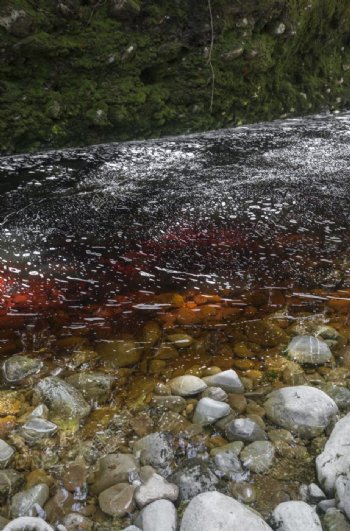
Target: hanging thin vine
210, 57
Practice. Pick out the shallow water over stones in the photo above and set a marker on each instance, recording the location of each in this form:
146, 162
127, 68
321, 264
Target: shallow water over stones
159, 301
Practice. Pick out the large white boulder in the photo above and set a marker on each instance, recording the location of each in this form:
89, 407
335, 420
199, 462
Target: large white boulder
303, 410
212, 511
334, 461
295, 516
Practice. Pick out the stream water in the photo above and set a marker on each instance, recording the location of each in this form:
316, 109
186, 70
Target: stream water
196, 235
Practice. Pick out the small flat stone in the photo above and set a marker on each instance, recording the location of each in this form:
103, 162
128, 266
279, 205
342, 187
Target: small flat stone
158, 516
192, 477
112, 469
187, 385
216, 393
154, 487
36, 428
234, 447
6, 452
155, 449
18, 367
258, 456
181, 340
120, 352
24, 503
209, 411
93, 385
118, 500
228, 381
228, 464
246, 430
173, 403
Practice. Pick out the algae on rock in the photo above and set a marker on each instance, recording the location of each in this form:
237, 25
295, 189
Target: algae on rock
77, 72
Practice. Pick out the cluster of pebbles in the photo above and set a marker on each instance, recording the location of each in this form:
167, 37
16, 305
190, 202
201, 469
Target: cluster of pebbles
184, 427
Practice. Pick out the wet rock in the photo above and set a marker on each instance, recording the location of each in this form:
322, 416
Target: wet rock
158, 516
17, 368
192, 477
173, 403
166, 352
151, 333
228, 464
6, 452
243, 492
325, 505
154, 487
280, 435
28, 523
162, 389
59, 505
258, 456
112, 469
234, 447
17, 22
238, 402
227, 380
180, 340
96, 386
215, 393
36, 428
187, 385
120, 352
295, 516
303, 410
309, 349
246, 430
334, 520
155, 449
212, 511
24, 503
63, 400
131, 528
124, 9
209, 411
40, 411
118, 500
10, 482
77, 522
177, 424
74, 478
312, 494
340, 395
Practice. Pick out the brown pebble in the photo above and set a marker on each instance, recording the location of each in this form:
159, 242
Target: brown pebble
74, 477
237, 402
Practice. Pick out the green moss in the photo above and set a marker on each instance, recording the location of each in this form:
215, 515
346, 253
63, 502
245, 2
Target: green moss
91, 77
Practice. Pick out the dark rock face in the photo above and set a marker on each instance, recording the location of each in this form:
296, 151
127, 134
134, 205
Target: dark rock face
79, 71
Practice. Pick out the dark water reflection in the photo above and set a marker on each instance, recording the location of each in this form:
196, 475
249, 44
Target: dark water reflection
257, 206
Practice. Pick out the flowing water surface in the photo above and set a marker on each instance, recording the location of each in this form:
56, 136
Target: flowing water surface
203, 235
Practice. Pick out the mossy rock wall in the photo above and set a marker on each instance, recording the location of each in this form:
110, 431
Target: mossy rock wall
76, 72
